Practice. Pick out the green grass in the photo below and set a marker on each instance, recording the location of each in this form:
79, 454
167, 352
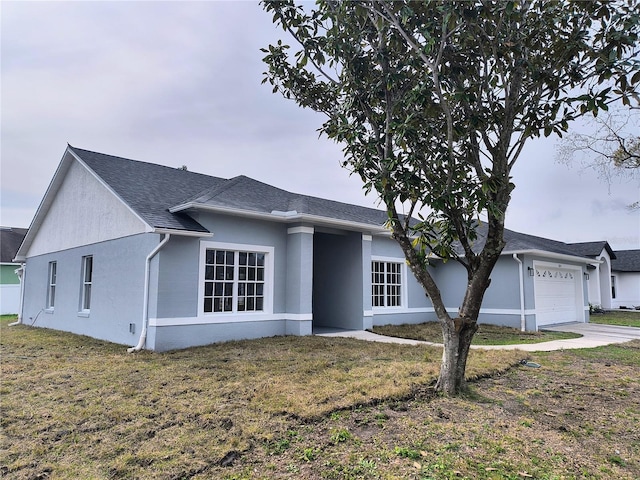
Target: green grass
486, 334
625, 318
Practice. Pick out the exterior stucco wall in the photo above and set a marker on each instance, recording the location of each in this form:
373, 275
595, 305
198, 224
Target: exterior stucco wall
83, 212
627, 290
599, 283
164, 338
299, 287
418, 308
177, 319
116, 291
501, 303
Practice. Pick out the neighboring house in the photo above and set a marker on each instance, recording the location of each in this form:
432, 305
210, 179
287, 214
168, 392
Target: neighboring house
600, 278
625, 279
163, 258
10, 240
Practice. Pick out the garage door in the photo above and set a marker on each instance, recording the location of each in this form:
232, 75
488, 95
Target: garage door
558, 295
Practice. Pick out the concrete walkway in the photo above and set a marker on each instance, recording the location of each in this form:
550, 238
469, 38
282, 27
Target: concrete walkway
593, 335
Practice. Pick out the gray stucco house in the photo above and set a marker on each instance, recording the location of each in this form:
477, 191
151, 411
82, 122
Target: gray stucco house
162, 258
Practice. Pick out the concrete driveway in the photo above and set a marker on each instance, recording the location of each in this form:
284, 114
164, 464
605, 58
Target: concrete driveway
593, 335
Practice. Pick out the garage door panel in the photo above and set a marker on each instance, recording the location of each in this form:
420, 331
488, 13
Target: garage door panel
556, 291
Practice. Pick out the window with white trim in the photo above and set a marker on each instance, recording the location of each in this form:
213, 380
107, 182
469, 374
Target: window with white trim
386, 284
234, 281
51, 288
87, 280
613, 286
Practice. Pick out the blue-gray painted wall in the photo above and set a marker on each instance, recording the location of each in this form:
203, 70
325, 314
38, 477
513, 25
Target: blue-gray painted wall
299, 272
116, 292
321, 273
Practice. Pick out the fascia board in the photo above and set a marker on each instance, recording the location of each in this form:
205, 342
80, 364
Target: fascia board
182, 233
557, 256
284, 217
45, 204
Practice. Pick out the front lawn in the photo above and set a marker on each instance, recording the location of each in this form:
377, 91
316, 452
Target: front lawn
625, 318
486, 334
76, 407
310, 408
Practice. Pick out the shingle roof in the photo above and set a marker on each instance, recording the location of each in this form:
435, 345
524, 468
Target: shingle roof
626, 261
10, 240
150, 189
591, 249
520, 242
251, 195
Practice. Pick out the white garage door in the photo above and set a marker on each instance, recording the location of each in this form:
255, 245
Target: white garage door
558, 295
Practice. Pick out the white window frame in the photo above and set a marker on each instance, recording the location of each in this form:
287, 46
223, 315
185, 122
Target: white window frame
614, 287
404, 299
51, 286
267, 307
86, 285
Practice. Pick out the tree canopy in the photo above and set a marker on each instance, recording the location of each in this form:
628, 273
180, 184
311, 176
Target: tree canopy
433, 102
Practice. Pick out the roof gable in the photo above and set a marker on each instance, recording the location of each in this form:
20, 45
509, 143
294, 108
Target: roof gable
149, 189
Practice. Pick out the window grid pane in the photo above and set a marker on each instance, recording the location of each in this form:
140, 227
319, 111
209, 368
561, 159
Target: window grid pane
218, 281
386, 284
233, 279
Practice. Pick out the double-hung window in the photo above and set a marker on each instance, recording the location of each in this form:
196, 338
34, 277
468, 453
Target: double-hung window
51, 288
386, 284
87, 279
234, 280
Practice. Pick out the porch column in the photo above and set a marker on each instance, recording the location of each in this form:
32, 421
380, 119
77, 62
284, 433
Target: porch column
299, 280
367, 309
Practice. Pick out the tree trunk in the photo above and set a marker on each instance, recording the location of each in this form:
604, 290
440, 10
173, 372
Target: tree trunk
456, 335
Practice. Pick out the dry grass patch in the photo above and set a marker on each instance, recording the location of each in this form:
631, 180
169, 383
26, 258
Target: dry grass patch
75, 407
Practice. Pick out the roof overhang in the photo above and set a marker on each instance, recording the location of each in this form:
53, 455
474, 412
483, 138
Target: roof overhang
555, 256
181, 233
283, 217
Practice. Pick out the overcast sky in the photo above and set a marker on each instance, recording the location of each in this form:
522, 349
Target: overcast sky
178, 83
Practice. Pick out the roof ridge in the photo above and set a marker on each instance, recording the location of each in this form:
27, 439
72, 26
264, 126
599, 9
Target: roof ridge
117, 157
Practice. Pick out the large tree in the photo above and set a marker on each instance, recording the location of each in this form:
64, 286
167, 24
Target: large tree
433, 102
